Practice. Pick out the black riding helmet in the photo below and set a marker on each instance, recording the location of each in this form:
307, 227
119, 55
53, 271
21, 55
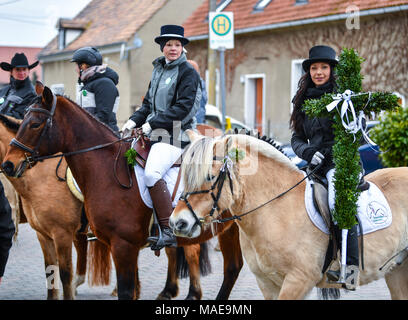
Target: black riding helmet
88, 55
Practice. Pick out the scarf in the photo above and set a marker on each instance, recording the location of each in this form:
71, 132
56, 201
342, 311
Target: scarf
317, 92
86, 74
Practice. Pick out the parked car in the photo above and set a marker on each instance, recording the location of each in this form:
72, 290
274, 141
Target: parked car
368, 154
213, 117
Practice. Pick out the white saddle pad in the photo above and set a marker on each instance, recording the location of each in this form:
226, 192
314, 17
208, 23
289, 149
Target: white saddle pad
170, 177
372, 208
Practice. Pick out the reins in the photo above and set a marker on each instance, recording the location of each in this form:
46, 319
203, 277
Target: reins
33, 156
238, 217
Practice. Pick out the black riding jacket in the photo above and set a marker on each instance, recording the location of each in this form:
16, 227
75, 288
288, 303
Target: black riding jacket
16, 97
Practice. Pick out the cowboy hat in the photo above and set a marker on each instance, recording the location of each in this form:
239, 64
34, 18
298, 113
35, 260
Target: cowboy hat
320, 54
19, 61
169, 32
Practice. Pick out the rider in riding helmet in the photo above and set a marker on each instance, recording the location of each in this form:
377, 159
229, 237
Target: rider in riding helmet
313, 138
168, 109
97, 92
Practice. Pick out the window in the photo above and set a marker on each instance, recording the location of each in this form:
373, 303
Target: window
301, 2
296, 72
222, 5
261, 4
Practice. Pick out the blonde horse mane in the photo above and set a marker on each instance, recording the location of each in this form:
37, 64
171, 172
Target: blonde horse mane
198, 158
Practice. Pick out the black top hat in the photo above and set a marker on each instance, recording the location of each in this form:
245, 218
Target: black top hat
19, 61
320, 54
169, 32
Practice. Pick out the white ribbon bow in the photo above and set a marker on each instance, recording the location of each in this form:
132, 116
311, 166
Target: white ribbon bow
356, 123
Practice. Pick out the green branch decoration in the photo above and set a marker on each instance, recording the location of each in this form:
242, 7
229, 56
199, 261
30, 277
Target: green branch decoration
131, 155
348, 109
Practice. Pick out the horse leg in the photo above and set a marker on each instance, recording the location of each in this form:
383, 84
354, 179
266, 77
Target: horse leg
63, 244
125, 257
397, 282
171, 288
296, 285
81, 246
50, 260
192, 254
233, 261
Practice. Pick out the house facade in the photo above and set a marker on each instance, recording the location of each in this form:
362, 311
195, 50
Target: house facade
272, 38
124, 32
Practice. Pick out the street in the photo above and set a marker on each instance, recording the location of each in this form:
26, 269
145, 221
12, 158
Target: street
24, 278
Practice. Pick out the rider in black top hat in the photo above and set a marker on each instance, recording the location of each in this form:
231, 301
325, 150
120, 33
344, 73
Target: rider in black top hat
313, 138
17, 95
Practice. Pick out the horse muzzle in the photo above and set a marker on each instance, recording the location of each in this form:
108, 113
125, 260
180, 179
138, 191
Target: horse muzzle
186, 228
8, 168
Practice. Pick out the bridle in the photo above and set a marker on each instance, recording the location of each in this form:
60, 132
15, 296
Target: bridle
218, 183
32, 154
224, 172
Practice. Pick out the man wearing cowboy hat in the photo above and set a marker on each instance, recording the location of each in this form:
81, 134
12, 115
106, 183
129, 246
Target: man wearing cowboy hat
14, 99
17, 95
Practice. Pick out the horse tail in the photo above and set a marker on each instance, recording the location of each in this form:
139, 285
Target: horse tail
328, 293
204, 262
99, 264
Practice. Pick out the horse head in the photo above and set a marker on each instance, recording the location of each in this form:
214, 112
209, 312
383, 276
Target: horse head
34, 134
212, 174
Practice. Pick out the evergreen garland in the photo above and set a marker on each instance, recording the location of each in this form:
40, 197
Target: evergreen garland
345, 150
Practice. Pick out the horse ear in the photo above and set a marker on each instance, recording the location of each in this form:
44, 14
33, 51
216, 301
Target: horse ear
47, 96
39, 88
192, 135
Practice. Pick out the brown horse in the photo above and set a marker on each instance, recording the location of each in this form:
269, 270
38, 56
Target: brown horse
117, 215
53, 212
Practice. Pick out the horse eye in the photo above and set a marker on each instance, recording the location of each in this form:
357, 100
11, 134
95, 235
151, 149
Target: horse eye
35, 125
210, 177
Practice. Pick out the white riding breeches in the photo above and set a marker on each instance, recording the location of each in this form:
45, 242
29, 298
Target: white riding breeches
161, 158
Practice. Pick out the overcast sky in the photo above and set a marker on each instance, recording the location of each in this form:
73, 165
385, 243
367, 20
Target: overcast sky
31, 23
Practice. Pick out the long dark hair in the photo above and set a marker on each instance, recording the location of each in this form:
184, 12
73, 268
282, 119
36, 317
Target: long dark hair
298, 116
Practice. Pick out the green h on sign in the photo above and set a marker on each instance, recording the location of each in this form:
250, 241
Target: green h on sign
221, 30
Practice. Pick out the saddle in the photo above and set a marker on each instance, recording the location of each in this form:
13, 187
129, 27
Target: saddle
142, 147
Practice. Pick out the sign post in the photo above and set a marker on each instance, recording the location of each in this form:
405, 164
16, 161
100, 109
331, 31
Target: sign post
221, 34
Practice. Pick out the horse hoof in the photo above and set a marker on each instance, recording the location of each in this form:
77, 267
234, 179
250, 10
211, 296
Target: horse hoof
163, 297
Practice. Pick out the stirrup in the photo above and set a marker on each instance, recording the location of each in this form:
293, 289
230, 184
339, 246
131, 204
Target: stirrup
157, 243
350, 281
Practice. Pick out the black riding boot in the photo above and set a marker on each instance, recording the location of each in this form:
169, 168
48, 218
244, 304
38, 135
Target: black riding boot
163, 205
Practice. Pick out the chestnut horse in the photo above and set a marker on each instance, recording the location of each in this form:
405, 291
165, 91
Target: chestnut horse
281, 245
53, 212
117, 215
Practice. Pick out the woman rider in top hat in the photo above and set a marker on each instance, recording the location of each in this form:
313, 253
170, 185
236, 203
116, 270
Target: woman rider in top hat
313, 138
168, 109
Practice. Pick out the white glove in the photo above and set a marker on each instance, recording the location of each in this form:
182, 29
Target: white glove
317, 158
146, 128
127, 128
129, 125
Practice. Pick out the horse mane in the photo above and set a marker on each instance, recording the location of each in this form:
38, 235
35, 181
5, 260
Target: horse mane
88, 114
11, 123
198, 158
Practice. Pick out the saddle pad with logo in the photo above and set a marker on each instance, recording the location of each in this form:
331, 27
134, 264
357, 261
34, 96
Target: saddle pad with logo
372, 208
170, 177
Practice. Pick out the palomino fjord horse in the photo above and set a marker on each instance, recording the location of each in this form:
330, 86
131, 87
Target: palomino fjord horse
117, 215
281, 245
53, 212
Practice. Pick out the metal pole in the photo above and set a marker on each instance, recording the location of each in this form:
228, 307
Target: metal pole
211, 64
222, 80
